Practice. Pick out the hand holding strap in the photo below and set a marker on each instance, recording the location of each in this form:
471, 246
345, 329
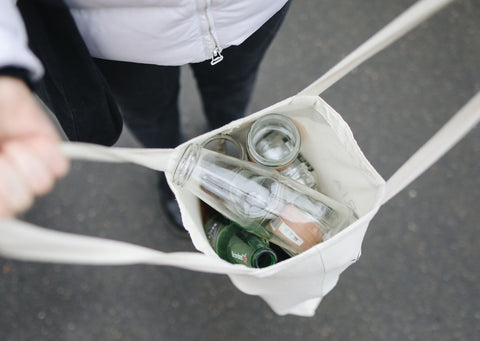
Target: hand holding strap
24, 241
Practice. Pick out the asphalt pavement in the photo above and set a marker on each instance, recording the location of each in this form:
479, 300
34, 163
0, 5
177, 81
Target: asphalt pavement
418, 277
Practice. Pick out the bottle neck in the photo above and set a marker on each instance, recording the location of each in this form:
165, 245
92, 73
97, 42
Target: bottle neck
186, 164
263, 258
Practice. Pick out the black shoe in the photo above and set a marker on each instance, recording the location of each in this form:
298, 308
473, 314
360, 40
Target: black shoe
171, 209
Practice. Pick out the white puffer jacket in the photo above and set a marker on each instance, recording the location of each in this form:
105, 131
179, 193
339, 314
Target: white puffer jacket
163, 32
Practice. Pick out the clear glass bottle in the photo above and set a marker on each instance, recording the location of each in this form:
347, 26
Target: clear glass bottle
232, 243
274, 141
260, 199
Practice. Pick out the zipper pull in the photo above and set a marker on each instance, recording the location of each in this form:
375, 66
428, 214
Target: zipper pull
216, 57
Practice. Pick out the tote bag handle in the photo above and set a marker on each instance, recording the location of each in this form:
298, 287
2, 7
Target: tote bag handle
452, 132
24, 241
402, 24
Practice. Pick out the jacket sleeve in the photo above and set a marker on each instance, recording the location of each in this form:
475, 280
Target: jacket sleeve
14, 51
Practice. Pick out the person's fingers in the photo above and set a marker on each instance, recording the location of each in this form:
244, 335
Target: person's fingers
4, 212
30, 155
30, 167
15, 195
50, 154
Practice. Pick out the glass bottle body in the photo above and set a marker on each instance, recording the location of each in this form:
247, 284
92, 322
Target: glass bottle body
261, 200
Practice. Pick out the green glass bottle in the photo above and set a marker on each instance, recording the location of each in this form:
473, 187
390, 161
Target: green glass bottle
235, 245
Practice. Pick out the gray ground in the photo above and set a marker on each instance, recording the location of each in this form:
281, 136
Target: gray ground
418, 278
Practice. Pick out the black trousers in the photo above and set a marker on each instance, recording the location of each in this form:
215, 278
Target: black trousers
148, 94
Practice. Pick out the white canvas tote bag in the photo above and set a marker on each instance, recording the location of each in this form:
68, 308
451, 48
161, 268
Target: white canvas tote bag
297, 285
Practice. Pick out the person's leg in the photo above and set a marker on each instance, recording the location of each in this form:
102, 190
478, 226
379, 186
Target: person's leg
148, 100
226, 87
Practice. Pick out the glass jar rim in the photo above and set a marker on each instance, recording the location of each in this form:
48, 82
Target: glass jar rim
279, 120
222, 136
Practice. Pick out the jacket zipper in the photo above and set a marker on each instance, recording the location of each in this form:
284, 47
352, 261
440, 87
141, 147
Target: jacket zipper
217, 56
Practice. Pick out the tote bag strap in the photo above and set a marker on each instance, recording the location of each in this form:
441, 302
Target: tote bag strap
409, 19
452, 132
23, 241
27, 242
447, 137
154, 158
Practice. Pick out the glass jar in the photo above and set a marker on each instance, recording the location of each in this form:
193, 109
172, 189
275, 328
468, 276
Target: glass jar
260, 199
274, 141
225, 144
